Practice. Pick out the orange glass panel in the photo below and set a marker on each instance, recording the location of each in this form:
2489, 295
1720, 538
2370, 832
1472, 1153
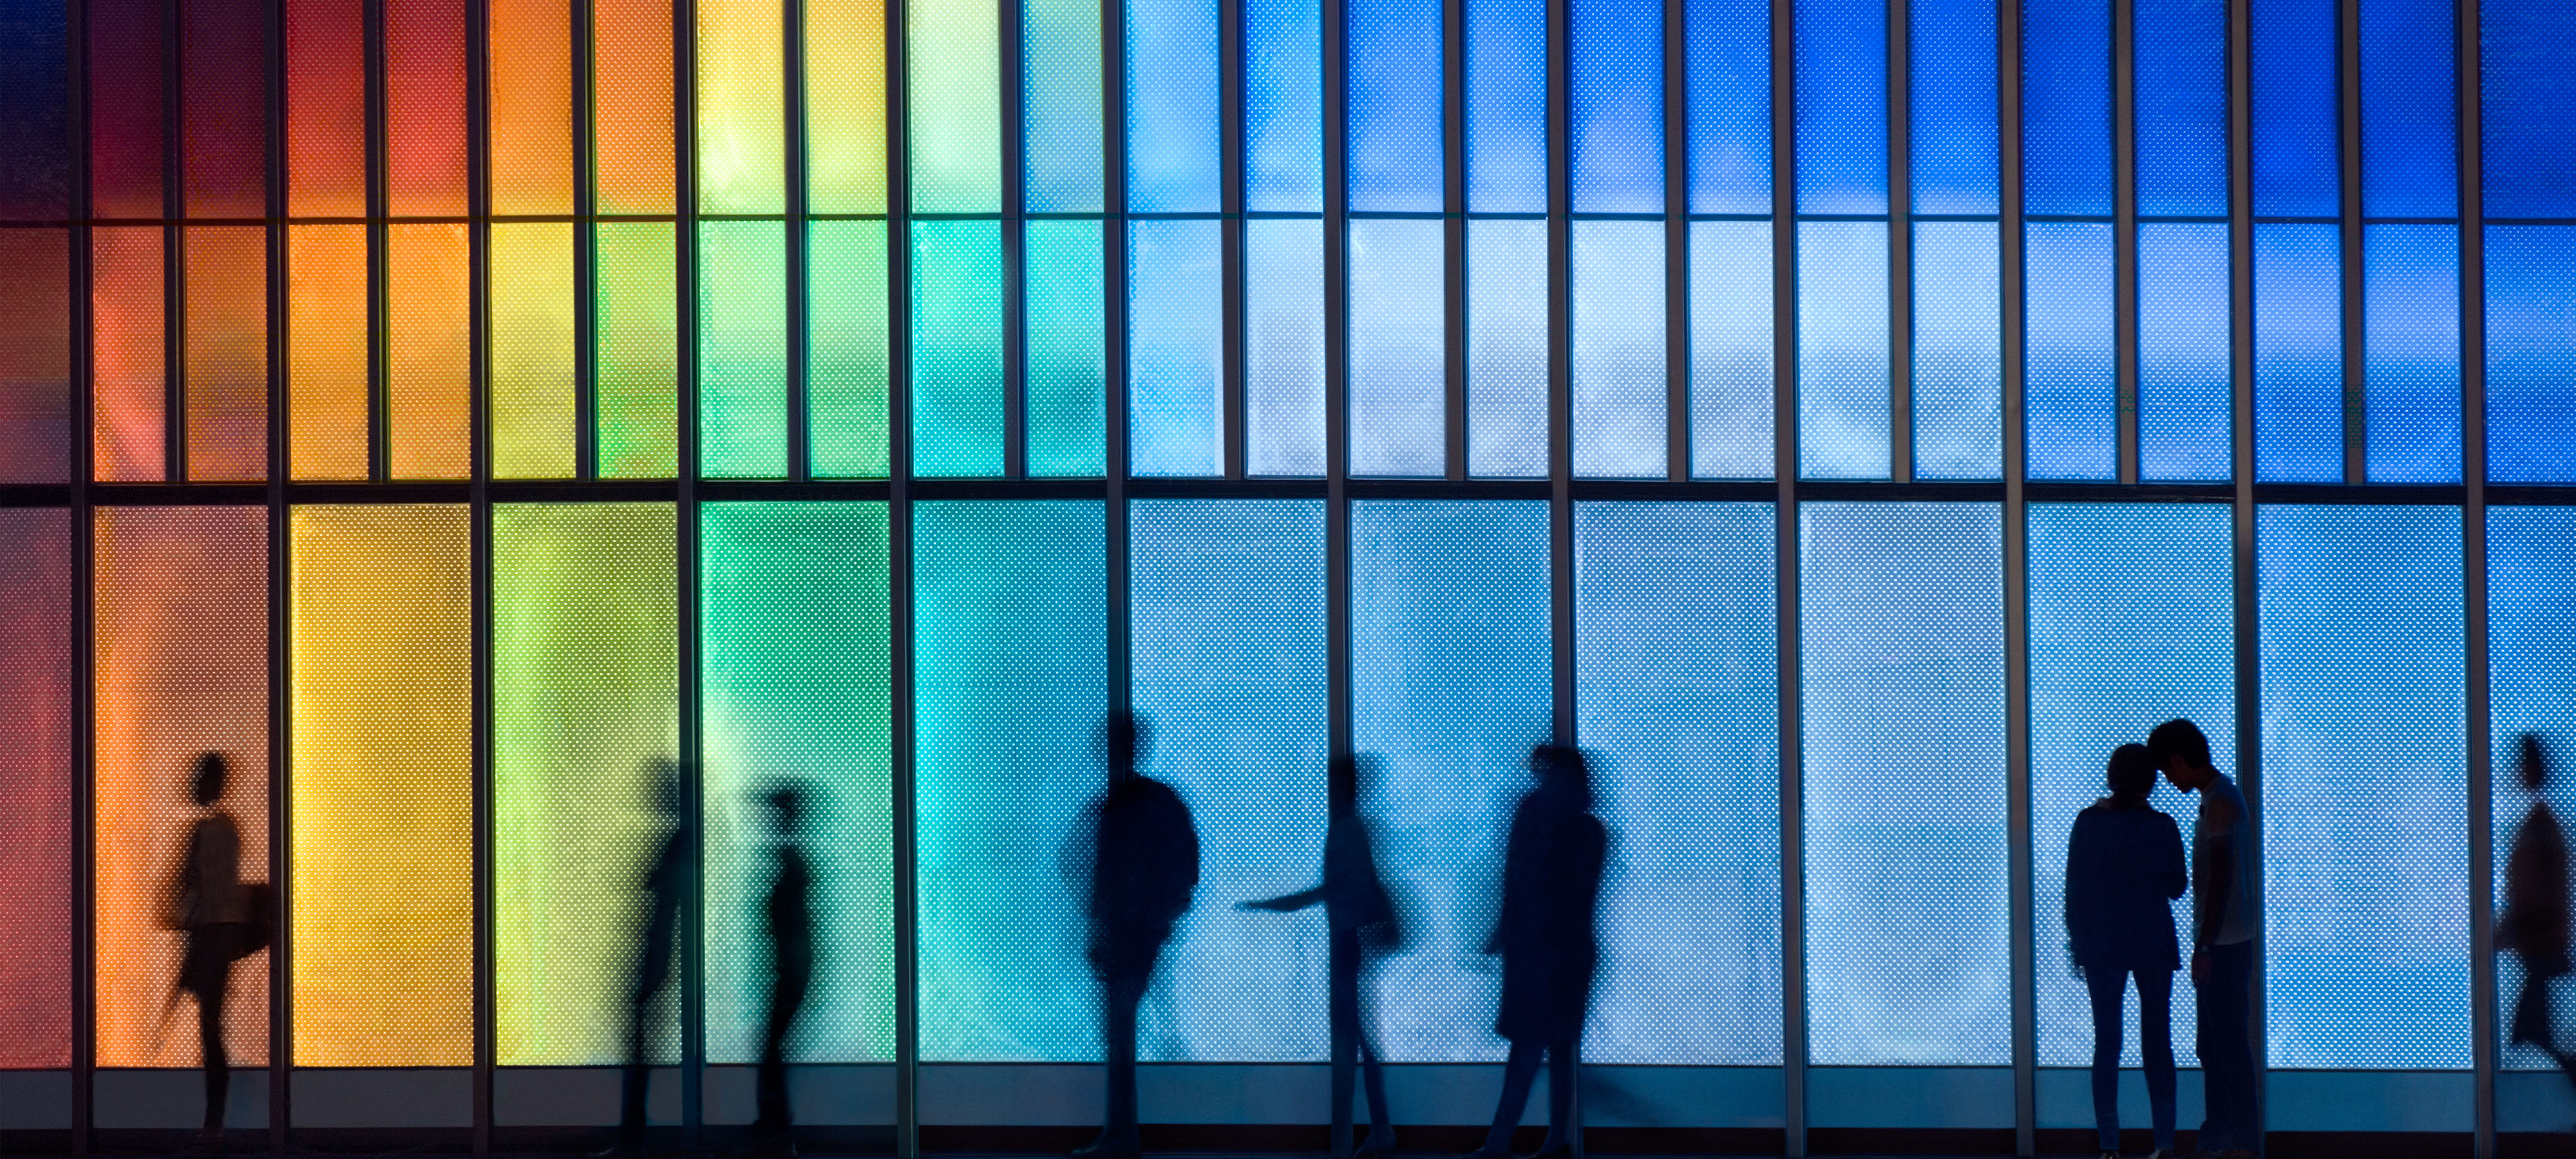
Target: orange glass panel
424, 108
35, 354
426, 366
182, 655
326, 108
631, 103
326, 350
531, 106
128, 354
224, 109
227, 352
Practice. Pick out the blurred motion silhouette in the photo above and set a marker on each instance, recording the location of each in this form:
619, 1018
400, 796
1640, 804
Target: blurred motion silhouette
226, 921
2124, 867
1144, 864
665, 885
1361, 918
791, 960
1545, 934
2223, 922
2534, 924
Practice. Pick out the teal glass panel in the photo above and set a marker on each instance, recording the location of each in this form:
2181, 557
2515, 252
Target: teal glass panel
845, 348
1068, 401
957, 348
742, 349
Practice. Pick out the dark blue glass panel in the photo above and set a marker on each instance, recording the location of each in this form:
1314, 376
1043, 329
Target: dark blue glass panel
1901, 664
1010, 654
2066, 106
2181, 57
2410, 294
1172, 106
2132, 623
1617, 134
1842, 106
1283, 109
1060, 105
1398, 384
1392, 55
1283, 346
1729, 42
2298, 353
2410, 104
2070, 387
1730, 350
1952, 105
1677, 702
1068, 400
2365, 876
1507, 347
1618, 351
1958, 351
1451, 679
2527, 79
2531, 354
2184, 404
2531, 647
1842, 350
36, 181
1506, 106
1227, 635
1175, 349
2295, 129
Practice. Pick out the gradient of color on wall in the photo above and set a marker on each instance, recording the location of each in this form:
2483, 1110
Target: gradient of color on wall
36, 781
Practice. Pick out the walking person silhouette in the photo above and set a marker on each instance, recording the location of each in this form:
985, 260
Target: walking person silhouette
225, 919
2223, 923
1144, 865
1545, 935
2124, 867
1362, 921
791, 957
665, 886
2533, 926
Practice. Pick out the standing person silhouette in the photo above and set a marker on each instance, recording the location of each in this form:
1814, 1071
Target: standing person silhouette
2223, 923
1145, 863
225, 920
1362, 921
791, 958
2124, 867
665, 886
1545, 935
2533, 926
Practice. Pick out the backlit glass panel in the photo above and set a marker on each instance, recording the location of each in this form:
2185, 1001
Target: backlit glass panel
956, 381
1958, 351
2298, 353
1842, 350
2410, 335
2070, 381
1283, 346
1175, 349
2531, 642
36, 781
1731, 353
1507, 364
2531, 354
1618, 355
1398, 350
2184, 399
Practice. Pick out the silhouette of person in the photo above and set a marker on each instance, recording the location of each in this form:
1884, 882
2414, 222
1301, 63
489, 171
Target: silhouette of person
2224, 921
791, 947
1361, 918
1145, 863
665, 885
225, 921
1545, 936
2534, 923
2124, 867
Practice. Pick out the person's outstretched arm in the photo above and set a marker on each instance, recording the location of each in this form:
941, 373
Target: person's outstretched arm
1287, 904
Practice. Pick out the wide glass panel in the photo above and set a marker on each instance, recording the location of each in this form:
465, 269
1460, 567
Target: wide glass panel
1842, 350
1958, 351
1677, 701
1283, 346
2531, 354
2185, 404
2361, 636
2410, 336
2298, 353
1902, 669
1175, 349
1398, 384
1507, 366
1618, 348
2070, 379
36, 779
1732, 360
2531, 646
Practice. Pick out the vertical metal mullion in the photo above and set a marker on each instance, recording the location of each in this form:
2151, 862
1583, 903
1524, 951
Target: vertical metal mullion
1677, 417
1337, 378
2124, 234
2473, 474
1015, 247
796, 229
378, 201
478, 457
1900, 244
1235, 439
174, 249
1784, 470
1113, 278
2008, 233
1453, 234
585, 238
693, 973
2356, 426
83, 448
281, 958
2240, 277
1560, 424
899, 667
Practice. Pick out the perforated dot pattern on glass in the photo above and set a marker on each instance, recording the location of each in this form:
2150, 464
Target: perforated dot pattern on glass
1619, 390
2298, 353
36, 780
1507, 347
2531, 645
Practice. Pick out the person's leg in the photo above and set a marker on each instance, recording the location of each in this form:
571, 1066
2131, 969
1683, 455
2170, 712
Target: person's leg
1120, 995
2108, 987
638, 1078
2227, 1050
2155, 1044
210, 1048
775, 1115
1345, 1009
1564, 1071
1519, 1071
1381, 1136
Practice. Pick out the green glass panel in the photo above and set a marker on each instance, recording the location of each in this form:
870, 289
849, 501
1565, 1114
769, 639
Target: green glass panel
954, 91
1065, 318
742, 349
957, 348
845, 348
638, 348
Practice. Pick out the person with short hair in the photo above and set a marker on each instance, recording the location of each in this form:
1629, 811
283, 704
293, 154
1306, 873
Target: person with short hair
2533, 926
1144, 866
1547, 936
2124, 867
2224, 920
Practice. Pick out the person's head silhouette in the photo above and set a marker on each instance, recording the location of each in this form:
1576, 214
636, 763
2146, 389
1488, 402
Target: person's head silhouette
1342, 786
2131, 775
208, 785
786, 803
2182, 751
1562, 769
662, 789
2532, 763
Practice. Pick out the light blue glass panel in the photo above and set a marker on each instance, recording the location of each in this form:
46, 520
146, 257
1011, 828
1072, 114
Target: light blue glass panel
2132, 623
1842, 350
2184, 402
1175, 349
2364, 787
2531, 646
1010, 655
1677, 703
1392, 56
1618, 353
742, 350
1283, 347
1952, 105
1283, 103
1067, 398
2296, 170
1901, 664
2070, 384
1398, 390
2410, 295
1617, 115
1450, 686
1507, 347
1227, 635
1958, 351
2181, 121
957, 347
1842, 106
1060, 105
2527, 82
1729, 83
2410, 130
1172, 118
1506, 106
2531, 354
1732, 435
2066, 106
2298, 353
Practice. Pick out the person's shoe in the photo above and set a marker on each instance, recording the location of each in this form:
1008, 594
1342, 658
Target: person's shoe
1109, 1146
1380, 1141
1559, 1151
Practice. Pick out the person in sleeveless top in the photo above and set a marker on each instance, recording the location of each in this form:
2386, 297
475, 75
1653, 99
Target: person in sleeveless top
2124, 867
222, 919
